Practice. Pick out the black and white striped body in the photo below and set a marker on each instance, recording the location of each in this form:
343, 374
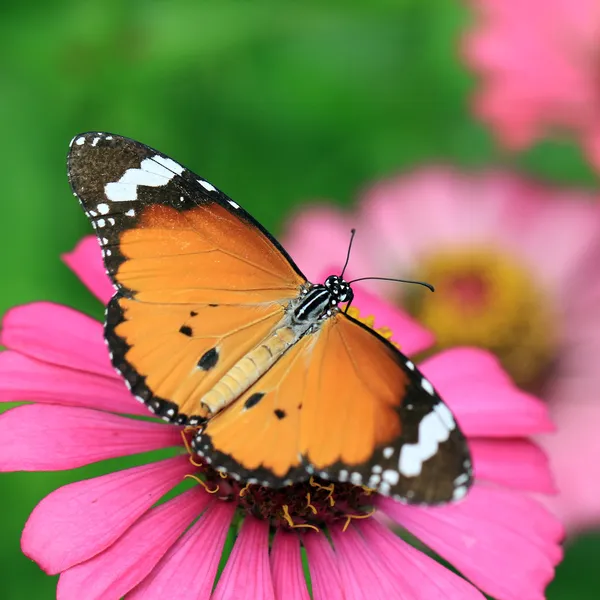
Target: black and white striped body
304, 315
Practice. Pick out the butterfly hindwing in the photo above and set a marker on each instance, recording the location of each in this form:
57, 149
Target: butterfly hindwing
174, 247
345, 405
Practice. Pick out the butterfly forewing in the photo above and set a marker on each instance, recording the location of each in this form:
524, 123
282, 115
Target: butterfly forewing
196, 277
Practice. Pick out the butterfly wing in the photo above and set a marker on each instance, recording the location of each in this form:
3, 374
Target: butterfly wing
198, 281
346, 405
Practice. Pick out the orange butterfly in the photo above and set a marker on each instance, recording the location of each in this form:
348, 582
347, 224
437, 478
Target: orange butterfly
213, 325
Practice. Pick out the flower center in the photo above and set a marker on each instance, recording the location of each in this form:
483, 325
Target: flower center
312, 504
485, 298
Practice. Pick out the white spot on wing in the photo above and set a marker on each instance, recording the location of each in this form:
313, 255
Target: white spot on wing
343, 475
207, 186
461, 479
374, 481
95, 141
384, 488
130, 212
432, 432
153, 172
387, 452
445, 415
356, 478
459, 493
234, 204
426, 385
170, 164
120, 192
391, 476
410, 365
101, 222
103, 208
80, 141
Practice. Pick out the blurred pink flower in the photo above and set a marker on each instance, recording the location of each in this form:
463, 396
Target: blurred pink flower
539, 61
107, 536
515, 267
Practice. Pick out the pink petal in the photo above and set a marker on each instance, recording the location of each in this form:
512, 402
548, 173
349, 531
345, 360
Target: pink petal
26, 379
505, 543
514, 463
118, 569
406, 332
86, 261
577, 410
59, 335
247, 572
484, 401
360, 569
189, 568
418, 575
36, 437
81, 519
324, 573
286, 566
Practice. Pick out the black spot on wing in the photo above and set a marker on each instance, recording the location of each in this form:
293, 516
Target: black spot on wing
253, 400
209, 359
280, 414
193, 313
186, 330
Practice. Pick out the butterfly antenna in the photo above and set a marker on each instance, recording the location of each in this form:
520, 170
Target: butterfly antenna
423, 283
352, 232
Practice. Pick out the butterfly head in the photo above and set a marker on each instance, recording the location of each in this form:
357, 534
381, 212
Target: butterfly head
339, 289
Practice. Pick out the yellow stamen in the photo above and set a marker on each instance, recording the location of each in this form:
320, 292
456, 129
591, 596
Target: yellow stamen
369, 321
223, 474
202, 483
309, 505
350, 517
328, 488
244, 490
368, 490
290, 522
189, 450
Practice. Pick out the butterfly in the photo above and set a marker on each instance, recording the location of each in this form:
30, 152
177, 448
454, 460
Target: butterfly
213, 325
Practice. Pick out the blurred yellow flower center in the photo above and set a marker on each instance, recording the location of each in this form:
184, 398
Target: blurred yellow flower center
485, 298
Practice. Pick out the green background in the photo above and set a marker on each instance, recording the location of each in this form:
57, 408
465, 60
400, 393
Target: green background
276, 103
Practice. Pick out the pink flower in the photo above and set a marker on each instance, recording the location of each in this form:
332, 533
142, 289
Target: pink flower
515, 267
539, 62
108, 537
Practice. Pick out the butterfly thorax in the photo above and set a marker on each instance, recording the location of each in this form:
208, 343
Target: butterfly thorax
319, 302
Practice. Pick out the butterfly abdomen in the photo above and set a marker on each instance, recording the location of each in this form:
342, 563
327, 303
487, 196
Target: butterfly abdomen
251, 367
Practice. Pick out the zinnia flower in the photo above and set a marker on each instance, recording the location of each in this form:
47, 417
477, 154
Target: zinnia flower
515, 266
113, 535
539, 62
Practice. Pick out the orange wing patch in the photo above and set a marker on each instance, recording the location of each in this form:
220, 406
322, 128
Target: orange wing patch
202, 255
354, 390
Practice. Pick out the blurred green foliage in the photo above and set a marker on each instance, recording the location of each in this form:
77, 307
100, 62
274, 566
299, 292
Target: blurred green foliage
277, 103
